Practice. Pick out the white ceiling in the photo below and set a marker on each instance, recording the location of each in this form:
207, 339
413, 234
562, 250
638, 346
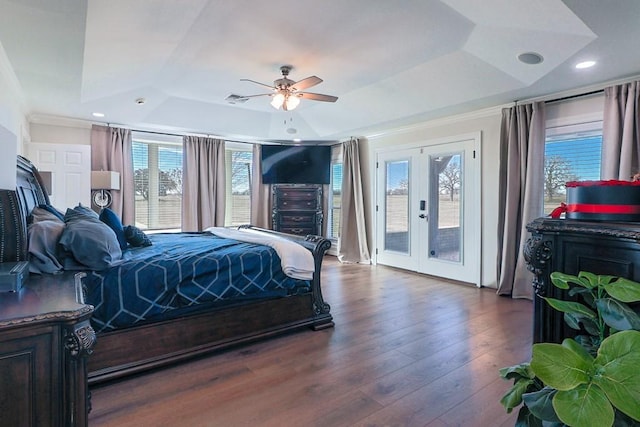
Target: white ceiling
390, 63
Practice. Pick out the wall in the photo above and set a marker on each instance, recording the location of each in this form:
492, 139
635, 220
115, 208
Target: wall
61, 132
14, 129
485, 121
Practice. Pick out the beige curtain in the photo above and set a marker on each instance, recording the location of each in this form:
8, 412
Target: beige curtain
260, 193
621, 131
111, 151
521, 193
203, 183
353, 236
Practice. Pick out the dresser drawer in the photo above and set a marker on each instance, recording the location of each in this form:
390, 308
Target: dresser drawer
303, 231
299, 218
296, 204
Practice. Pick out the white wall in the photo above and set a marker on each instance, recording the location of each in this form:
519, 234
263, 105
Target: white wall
488, 123
14, 129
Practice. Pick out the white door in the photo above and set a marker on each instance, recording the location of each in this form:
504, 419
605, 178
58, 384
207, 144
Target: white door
70, 167
428, 210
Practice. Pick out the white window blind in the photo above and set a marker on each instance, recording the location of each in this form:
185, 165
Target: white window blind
335, 199
238, 195
157, 170
572, 153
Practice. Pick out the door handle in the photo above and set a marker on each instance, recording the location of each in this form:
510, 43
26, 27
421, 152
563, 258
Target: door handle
423, 216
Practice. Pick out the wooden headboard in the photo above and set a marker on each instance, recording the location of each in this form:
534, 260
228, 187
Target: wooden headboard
15, 207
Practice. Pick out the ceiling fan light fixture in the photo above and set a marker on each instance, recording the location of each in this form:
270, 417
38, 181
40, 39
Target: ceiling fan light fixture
277, 101
291, 102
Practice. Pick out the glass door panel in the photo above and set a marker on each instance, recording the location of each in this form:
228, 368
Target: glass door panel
445, 212
396, 227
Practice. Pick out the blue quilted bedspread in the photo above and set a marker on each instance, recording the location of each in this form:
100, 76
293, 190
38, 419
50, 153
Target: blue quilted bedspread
181, 271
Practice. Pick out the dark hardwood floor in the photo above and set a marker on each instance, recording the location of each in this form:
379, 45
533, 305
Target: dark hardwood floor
407, 350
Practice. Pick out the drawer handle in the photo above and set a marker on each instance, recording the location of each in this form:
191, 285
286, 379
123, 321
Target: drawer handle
298, 218
297, 230
284, 203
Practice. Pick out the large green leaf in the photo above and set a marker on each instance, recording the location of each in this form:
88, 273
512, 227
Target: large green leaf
624, 290
523, 370
591, 280
618, 372
562, 280
571, 307
560, 367
618, 315
539, 403
584, 406
527, 419
513, 397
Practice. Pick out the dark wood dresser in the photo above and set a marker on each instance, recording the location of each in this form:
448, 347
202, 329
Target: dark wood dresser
45, 338
297, 209
571, 246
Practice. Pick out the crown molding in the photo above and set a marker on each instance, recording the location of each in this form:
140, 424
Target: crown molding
442, 121
46, 119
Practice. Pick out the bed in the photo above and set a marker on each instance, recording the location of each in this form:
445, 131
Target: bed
169, 325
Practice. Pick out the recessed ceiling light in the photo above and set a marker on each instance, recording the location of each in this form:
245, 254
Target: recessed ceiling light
585, 64
140, 101
97, 114
530, 58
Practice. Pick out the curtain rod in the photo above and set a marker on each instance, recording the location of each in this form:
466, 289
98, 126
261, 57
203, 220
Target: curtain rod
579, 95
177, 134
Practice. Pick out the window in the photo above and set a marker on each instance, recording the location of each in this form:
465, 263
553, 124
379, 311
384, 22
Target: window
572, 153
335, 198
238, 162
157, 175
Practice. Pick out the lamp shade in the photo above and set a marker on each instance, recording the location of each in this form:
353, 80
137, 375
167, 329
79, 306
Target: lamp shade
105, 180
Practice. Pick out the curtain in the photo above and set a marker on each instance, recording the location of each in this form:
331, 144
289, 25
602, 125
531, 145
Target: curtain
111, 151
353, 236
260, 193
621, 131
522, 137
203, 183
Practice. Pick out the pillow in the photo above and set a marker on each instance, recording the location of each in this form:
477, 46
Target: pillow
40, 213
43, 239
110, 218
136, 237
89, 241
81, 211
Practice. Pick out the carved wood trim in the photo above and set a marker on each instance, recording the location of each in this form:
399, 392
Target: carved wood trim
538, 253
79, 340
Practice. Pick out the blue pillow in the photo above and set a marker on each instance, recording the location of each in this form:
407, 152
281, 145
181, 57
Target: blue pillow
89, 241
110, 218
81, 211
136, 237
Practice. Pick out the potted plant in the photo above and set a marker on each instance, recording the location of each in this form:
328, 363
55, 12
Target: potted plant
592, 379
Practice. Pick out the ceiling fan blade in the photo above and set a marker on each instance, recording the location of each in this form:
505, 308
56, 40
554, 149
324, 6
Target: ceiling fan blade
258, 83
254, 96
306, 83
318, 97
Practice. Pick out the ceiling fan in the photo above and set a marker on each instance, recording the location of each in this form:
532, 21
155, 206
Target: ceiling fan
286, 93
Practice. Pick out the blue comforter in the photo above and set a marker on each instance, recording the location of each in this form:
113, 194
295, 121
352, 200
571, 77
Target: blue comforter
181, 271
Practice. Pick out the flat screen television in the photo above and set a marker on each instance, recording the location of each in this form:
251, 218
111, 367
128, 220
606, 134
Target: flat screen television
284, 164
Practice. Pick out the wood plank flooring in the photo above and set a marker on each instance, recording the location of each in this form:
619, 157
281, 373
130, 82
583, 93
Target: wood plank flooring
407, 350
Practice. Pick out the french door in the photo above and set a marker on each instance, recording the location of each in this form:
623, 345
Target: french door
428, 209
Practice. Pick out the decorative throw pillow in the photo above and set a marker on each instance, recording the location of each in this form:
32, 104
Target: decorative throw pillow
136, 237
110, 218
43, 241
80, 210
90, 241
40, 213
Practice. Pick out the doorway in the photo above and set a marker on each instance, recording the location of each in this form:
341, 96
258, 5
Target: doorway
428, 209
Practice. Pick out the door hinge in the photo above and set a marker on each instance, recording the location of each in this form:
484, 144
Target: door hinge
377, 165
376, 251
376, 208
474, 154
